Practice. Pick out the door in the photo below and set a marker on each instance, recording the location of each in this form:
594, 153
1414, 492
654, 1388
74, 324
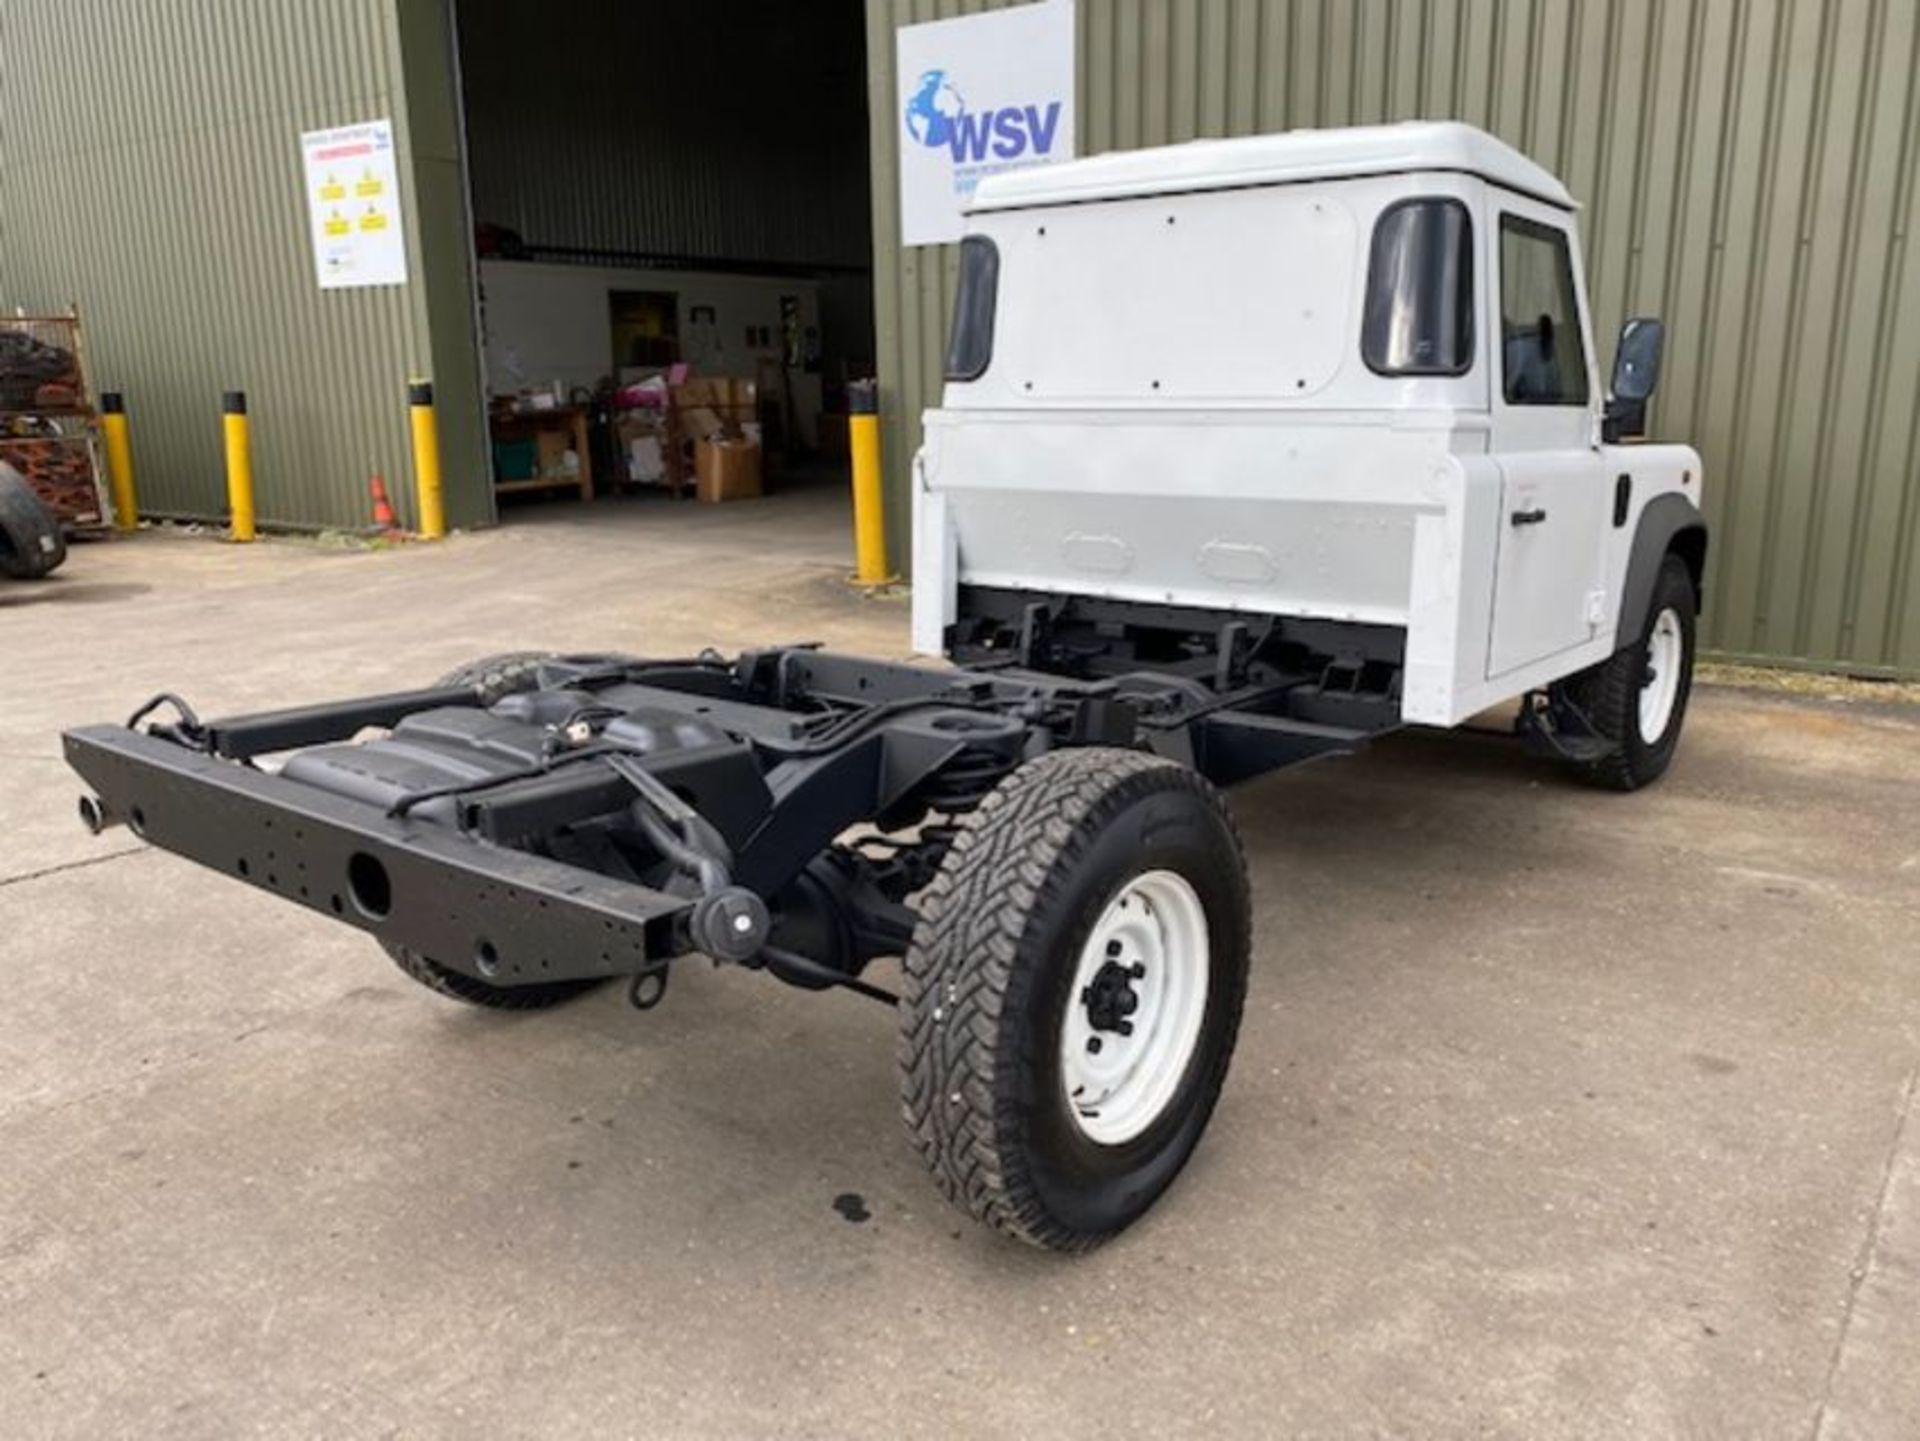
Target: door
1546, 437
645, 326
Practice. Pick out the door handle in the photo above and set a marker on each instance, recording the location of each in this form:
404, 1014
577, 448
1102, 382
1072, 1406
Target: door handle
1528, 517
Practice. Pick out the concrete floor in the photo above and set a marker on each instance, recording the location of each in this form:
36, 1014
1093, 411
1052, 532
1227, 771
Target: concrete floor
1555, 1113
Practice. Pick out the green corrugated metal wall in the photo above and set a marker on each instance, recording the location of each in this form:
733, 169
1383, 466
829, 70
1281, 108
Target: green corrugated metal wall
150, 171
1747, 171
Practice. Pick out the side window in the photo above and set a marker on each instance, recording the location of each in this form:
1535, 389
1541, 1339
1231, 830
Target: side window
970, 348
1419, 314
1543, 361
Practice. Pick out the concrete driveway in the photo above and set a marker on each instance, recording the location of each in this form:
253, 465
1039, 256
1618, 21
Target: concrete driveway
1555, 1113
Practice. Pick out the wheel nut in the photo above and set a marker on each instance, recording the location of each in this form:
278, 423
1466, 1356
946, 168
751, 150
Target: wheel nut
1093, 1045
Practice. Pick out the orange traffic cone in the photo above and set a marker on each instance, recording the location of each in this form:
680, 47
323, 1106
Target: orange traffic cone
382, 507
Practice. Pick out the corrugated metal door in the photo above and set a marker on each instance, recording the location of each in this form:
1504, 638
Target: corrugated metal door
1748, 174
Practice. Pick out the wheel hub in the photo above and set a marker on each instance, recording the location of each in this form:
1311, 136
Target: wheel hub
1134, 1015
1111, 998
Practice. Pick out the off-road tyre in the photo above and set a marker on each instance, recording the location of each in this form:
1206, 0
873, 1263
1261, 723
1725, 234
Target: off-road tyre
990, 973
1609, 693
493, 677
32, 544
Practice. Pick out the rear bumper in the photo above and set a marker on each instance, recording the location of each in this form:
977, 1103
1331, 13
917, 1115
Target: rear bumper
499, 915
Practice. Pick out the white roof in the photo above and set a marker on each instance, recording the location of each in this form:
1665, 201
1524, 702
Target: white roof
1294, 156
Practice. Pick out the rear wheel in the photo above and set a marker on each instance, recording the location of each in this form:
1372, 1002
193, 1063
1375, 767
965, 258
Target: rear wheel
1073, 992
492, 678
31, 542
1637, 699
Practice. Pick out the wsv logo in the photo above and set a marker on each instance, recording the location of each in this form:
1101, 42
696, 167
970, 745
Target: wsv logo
938, 118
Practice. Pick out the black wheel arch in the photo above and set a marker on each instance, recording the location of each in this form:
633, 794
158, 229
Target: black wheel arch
1669, 525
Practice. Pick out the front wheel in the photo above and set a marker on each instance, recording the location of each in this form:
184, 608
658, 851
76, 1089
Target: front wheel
1073, 992
1637, 699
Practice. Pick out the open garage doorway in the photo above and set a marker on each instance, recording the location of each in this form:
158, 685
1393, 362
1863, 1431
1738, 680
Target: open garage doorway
673, 243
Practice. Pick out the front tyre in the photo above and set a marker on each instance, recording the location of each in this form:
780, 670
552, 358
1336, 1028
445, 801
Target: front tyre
1073, 992
1637, 699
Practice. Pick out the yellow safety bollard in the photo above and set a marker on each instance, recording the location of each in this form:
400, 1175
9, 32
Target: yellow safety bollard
233, 420
113, 423
869, 520
426, 460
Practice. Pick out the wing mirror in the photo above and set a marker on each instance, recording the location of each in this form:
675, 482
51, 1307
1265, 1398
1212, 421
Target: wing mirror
1636, 370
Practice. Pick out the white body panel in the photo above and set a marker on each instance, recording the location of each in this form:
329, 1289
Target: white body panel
1176, 411
1285, 336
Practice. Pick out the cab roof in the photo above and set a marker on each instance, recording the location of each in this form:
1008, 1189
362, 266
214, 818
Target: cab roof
1289, 158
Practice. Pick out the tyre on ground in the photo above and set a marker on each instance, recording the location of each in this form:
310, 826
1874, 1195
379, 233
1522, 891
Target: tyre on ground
32, 544
1072, 993
1637, 699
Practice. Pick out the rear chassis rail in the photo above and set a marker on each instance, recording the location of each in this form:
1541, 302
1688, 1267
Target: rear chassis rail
485, 910
627, 812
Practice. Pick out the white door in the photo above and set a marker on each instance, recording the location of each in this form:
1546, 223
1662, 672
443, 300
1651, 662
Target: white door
1546, 435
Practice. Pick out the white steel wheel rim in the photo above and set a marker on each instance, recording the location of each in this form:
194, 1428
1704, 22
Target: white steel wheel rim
1119, 1082
1661, 685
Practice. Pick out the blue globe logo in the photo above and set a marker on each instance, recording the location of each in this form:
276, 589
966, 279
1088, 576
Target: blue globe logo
934, 108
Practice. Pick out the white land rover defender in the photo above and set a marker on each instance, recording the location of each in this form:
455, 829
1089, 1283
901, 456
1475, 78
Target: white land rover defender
1252, 450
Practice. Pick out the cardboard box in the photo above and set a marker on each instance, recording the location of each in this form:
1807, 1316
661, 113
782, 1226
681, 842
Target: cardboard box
726, 470
551, 453
711, 405
702, 422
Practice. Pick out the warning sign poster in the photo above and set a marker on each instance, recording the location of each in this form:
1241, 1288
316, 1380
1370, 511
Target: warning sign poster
353, 205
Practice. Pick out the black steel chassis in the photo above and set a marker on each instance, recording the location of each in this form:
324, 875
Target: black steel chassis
776, 809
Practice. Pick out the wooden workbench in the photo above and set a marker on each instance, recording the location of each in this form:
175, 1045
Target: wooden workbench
569, 420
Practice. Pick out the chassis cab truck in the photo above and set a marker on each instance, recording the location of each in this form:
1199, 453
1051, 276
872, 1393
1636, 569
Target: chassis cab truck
1250, 451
